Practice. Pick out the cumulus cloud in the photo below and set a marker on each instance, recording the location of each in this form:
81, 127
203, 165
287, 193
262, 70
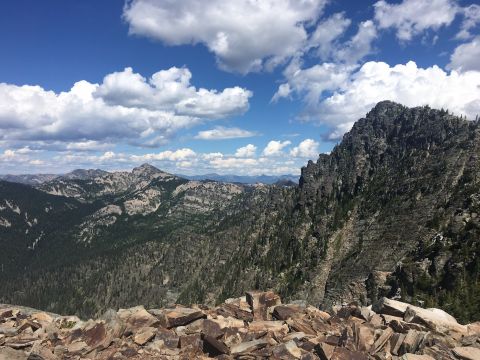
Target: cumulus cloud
359, 46
413, 17
247, 151
168, 155
471, 19
274, 147
312, 82
466, 56
171, 89
125, 107
222, 133
329, 45
245, 161
324, 38
244, 35
340, 103
308, 148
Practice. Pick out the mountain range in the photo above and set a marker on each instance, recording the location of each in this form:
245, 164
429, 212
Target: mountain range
83, 174
392, 211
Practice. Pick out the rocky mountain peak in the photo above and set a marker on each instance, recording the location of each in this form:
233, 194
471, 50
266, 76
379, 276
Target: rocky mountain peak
147, 169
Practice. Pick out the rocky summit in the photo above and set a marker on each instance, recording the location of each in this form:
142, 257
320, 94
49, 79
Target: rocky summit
255, 326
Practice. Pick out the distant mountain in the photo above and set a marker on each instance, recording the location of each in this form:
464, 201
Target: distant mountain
28, 179
245, 179
393, 210
37, 179
83, 174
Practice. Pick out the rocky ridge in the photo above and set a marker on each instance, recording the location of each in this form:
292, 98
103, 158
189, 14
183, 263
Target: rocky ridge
256, 326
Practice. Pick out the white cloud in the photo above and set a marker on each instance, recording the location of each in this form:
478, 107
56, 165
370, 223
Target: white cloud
471, 20
245, 161
274, 147
177, 155
413, 17
89, 145
359, 46
170, 90
221, 133
327, 33
232, 164
466, 56
326, 40
312, 82
338, 104
125, 107
308, 148
247, 151
244, 35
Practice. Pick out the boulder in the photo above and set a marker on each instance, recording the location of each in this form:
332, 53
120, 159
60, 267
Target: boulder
467, 353
287, 351
345, 354
144, 335
285, 312
381, 341
260, 301
390, 307
137, 317
248, 346
179, 316
435, 319
416, 357
324, 351
7, 353
41, 352
279, 328
213, 347
412, 342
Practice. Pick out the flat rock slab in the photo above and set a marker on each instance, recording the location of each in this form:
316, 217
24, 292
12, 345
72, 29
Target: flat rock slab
467, 353
416, 357
7, 353
144, 335
390, 307
180, 316
248, 346
285, 312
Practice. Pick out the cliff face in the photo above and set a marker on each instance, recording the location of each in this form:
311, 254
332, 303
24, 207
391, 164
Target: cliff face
393, 208
400, 180
392, 186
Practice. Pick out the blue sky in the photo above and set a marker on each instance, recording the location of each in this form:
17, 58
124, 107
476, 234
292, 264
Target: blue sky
244, 86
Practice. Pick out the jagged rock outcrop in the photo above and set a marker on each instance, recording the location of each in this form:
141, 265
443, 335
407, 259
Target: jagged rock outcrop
270, 330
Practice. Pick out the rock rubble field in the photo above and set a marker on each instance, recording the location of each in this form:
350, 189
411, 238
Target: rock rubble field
256, 326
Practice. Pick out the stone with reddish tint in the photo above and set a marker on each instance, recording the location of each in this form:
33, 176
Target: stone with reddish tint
260, 301
214, 347
231, 310
285, 312
467, 353
325, 350
345, 354
144, 335
180, 316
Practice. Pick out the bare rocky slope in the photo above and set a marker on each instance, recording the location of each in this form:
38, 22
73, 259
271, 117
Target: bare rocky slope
391, 211
256, 326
